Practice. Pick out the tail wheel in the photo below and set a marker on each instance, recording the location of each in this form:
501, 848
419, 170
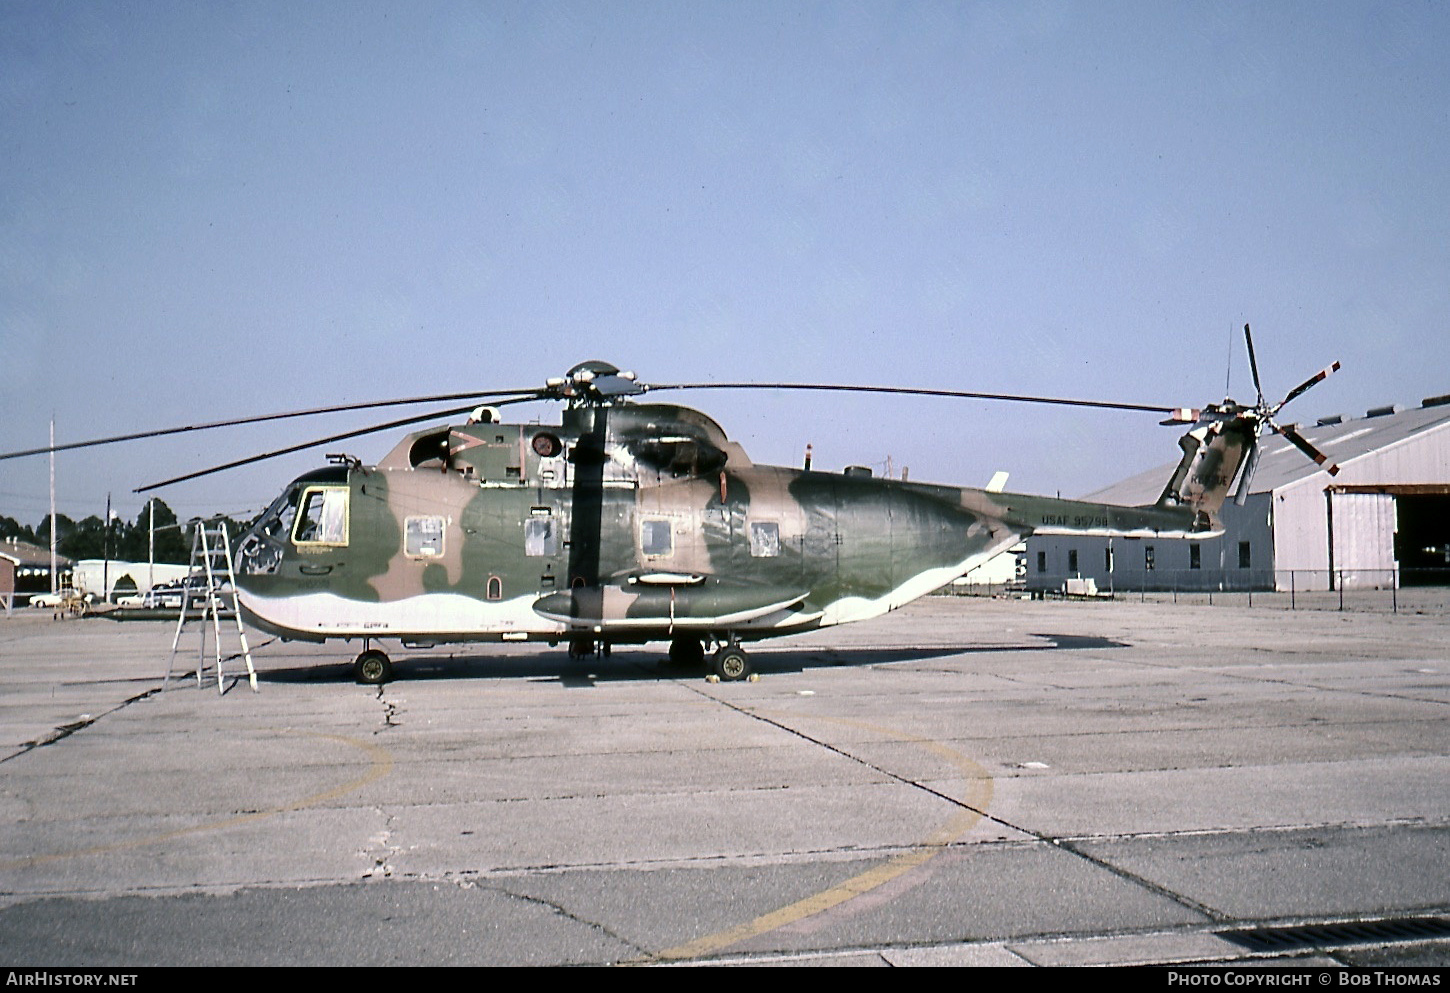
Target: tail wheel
373, 668
731, 664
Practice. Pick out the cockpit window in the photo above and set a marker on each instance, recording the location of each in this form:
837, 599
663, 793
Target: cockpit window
277, 521
322, 516
260, 551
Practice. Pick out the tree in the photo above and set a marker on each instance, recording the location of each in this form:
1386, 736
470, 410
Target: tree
173, 541
11, 528
85, 539
123, 540
63, 526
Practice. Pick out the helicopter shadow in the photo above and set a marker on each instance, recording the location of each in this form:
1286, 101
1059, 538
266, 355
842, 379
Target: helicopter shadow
637, 665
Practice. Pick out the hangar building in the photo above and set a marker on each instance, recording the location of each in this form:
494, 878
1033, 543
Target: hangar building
25, 571
1383, 521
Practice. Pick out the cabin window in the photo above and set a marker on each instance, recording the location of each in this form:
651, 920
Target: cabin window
656, 538
541, 537
322, 516
495, 588
765, 540
423, 537
1148, 562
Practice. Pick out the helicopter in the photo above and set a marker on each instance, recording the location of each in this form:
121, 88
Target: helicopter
632, 522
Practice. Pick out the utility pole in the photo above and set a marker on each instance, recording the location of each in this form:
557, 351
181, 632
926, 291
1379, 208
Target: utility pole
54, 579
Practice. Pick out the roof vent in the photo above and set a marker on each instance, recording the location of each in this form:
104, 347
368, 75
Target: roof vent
1438, 401
857, 471
1324, 422
1381, 411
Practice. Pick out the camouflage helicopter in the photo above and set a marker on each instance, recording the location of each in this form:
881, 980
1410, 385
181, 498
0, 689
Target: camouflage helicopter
632, 522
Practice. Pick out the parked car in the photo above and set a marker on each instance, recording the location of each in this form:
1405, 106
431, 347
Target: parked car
168, 596
66, 595
163, 595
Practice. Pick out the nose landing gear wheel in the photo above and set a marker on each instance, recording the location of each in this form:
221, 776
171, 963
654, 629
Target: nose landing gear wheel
731, 664
372, 668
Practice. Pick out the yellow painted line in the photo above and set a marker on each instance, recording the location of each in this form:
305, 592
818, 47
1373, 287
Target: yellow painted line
381, 765
978, 799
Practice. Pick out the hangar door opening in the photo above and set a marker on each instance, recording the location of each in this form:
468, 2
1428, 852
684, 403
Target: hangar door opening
1422, 542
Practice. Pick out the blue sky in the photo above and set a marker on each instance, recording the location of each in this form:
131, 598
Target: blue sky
219, 209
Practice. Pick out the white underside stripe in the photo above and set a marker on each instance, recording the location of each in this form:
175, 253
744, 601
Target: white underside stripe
452, 615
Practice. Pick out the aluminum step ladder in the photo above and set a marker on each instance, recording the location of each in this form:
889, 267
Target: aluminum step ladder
211, 556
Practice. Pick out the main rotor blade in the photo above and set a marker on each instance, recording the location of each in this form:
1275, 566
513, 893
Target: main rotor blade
910, 391
532, 393
1301, 443
1254, 365
432, 415
1319, 376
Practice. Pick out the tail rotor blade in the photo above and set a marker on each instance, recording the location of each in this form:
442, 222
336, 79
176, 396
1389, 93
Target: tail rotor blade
1318, 377
1299, 442
1254, 364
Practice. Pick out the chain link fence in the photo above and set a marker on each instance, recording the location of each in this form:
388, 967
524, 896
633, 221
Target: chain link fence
1389, 590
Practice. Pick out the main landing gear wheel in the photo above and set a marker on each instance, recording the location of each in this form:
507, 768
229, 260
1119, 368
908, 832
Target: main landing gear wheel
731, 664
372, 668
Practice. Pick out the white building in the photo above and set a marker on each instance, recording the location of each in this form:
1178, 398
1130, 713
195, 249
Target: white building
1382, 521
100, 576
1001, 571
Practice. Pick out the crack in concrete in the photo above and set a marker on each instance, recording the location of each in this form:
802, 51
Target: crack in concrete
1065, 845
379, 853
555, 908
390, 710
66, 730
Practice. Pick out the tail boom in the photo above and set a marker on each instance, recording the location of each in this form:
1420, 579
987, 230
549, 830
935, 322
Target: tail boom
1214, 453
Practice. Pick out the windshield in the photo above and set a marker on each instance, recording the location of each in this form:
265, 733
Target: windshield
260, 550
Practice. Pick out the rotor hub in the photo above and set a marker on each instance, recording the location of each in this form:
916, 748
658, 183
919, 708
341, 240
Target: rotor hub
594, 383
